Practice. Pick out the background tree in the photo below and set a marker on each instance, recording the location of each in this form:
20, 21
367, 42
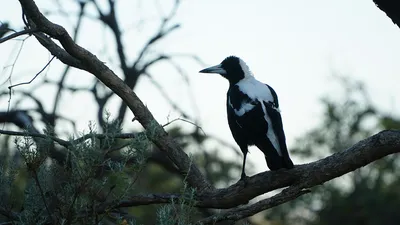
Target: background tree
366, 196
107, 176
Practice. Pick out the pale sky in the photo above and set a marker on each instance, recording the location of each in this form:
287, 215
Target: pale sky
292, 45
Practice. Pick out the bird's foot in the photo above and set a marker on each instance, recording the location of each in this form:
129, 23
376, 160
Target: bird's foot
244, 179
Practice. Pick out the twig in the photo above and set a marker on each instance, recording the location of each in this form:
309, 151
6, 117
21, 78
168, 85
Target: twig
68, 144
11, 72
184, 120
103, 136
23, 83
166, 96
37, 135
60, 84
35, 176
19, 33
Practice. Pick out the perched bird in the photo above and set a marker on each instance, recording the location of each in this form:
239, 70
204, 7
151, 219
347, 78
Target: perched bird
253, 113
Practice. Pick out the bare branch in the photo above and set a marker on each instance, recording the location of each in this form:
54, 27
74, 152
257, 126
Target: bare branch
161, 33
286, 195
166, 97
60, 83
93, 65
17, 34
110, 20
37, 74
138, 200
186, 121
58, 52
36, 135
68, 144
307, 175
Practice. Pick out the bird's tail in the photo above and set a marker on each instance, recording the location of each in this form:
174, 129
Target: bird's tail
274, 160
278, 162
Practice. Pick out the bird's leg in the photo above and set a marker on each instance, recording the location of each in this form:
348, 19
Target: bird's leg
243, 176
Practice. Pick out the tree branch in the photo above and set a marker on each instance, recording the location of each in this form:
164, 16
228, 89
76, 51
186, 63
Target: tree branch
299, 180
286, 195
69, 144
17, 34
306, 175
93, 65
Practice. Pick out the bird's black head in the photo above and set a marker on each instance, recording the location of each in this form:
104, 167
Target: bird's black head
232, 68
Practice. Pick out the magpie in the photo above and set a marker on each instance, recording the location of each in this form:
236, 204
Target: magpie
253, 113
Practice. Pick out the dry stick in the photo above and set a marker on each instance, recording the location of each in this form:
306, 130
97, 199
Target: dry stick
17, 34
36, 135
37, 74
186, 121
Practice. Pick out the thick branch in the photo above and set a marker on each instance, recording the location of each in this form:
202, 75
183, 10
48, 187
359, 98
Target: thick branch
299, 179
246, 211
306, 175
139, 200
93, 65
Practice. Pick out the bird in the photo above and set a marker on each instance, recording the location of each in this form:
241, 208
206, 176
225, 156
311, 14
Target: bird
253, 113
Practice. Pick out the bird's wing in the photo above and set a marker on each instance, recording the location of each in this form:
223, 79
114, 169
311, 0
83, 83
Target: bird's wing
236, 110
276, 122
275, 101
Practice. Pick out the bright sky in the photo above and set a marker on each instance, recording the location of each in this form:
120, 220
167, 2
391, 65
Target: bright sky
292, 45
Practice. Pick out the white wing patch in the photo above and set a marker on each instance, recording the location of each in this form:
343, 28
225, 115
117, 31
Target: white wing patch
271, 133
244, 107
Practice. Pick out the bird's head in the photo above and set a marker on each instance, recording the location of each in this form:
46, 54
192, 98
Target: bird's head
232, 68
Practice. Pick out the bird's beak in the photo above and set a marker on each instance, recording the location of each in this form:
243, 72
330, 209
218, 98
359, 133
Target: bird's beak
214, 69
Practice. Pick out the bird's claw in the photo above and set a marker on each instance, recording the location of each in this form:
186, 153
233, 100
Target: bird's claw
244, 179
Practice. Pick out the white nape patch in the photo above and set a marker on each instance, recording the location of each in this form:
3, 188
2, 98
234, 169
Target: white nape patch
245, 68
255, 89
271, 133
